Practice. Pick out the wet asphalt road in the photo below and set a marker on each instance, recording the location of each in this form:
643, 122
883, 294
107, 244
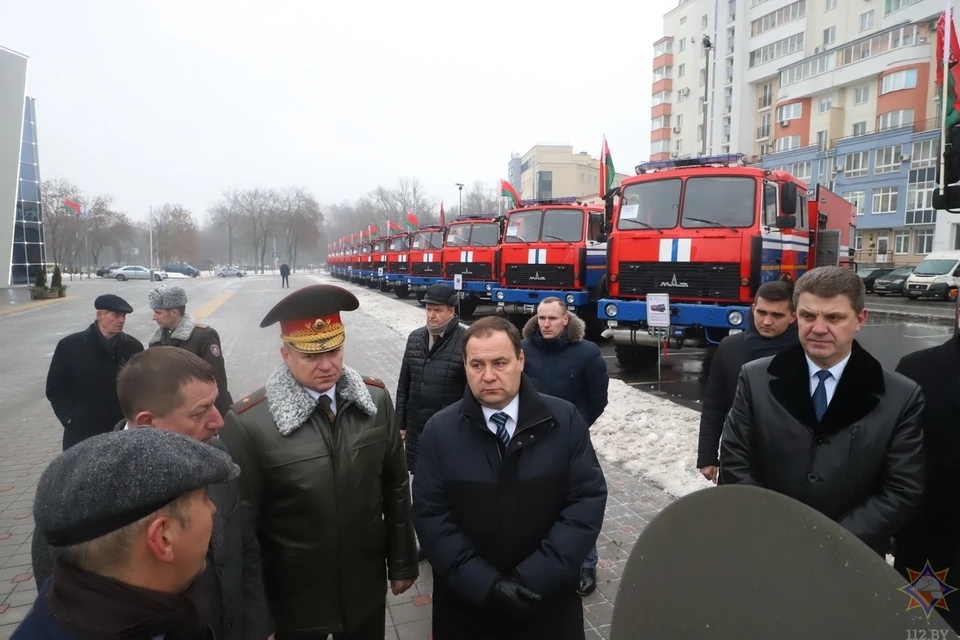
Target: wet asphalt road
888, 337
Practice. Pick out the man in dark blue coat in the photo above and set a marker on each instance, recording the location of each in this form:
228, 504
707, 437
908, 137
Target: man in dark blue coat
562, 364
508, 499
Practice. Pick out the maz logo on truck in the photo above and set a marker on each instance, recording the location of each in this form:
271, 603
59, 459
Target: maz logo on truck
674, 283
537, 276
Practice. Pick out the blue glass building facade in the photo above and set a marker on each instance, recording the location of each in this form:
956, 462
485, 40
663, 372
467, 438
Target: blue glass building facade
29, 254
889, 176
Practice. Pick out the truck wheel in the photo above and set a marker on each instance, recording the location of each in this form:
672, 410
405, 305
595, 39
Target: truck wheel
633, 358
401, 291
468, 307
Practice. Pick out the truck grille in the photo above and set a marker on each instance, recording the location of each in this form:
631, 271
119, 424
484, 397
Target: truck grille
427, 269
477, 270
711, 280
540, 275
397, 267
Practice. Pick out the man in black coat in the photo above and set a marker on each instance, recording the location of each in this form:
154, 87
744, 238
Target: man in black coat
508, 499
823, 423
933, 535
562, 364
773, 329
431, 374
284, 276
171, 389
82, 380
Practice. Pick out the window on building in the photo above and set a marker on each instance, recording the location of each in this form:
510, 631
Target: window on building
660, 122
790, 111
901, 243
679, 145
774, 19
866, 20
660, 97
829, 36
859, 128
830, 5
861, 95
776, 50
787, 143
895, 5
920, 188
822, 141
683, 44
887, 159
660, 146
662, 73
681, 70
858, 241
802, 170
895, 119
699, 133
885, 200
662, 48
858, 199
855, 165
678, 121
924, 154
924, 242
825, 104
703, 77
683, 20
906, 79
703, 22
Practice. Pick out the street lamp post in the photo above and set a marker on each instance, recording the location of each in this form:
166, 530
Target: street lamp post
460, 187
707, 46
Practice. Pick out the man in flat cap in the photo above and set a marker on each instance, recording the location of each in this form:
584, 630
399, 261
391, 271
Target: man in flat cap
129, 520
325, 479
82, 380
177, 328
172, 389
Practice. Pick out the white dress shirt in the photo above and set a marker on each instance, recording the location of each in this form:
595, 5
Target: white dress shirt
330, 393
512, 410
830, 383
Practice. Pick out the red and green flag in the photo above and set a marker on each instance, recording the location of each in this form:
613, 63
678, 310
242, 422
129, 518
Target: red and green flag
393, 226
948, 50
75, 208
607, 171
441, 213
373, 232
507, 191
412, 224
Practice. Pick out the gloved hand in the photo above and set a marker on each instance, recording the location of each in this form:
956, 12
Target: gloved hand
510, 596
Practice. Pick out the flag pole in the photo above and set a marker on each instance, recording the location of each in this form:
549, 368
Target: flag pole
947, 37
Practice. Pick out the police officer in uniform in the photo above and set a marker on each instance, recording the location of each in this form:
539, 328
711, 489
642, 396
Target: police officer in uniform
177, 328
324, 477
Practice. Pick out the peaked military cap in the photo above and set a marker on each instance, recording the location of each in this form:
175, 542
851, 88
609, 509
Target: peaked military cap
112, 480
167, 297
772, 568
110, 302
310, 317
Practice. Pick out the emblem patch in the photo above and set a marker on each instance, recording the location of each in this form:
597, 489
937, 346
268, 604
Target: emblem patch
215, 350
319, 325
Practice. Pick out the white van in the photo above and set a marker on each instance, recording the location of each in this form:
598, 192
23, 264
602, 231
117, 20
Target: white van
937, 277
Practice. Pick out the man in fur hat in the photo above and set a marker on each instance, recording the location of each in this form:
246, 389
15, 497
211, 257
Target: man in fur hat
324, 478
177, 328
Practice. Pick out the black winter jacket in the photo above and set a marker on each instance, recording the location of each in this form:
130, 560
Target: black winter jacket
862, 465
732, 353
430, 379
532, 511
567, 367
82, 383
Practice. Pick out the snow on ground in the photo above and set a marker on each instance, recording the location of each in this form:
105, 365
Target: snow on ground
649, 436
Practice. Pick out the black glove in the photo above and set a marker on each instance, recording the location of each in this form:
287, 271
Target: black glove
510, 596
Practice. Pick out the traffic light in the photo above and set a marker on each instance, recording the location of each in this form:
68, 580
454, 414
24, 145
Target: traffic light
949, 199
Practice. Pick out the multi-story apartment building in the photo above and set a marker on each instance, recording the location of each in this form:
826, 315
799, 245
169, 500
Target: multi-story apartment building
839, 92
555, 171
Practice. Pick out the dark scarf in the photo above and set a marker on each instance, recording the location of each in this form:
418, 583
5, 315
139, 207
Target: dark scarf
759, 347
101, 608
112, 344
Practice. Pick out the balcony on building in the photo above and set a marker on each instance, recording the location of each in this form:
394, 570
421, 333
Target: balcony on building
898, 11
765, 60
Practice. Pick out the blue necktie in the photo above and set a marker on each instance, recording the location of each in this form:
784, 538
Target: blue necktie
820, 395
500, 419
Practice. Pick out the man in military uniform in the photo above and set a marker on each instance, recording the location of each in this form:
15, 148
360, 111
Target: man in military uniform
324, 478
179, 329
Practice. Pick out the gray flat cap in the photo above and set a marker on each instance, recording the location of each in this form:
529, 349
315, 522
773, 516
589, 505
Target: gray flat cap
112, 480
168, 297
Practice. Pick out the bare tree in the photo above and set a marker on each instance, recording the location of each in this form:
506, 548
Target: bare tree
481, 198
229, 216
61, 227
175, 234
259, 210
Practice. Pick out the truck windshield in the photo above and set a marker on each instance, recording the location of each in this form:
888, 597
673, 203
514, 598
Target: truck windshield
552, 225
366, 249
381, 246
485, 234
426, 240
934, 267
650, 205
727, 201
458, 235
398, 244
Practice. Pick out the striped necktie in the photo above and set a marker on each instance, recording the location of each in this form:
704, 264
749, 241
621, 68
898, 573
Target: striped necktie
500, 419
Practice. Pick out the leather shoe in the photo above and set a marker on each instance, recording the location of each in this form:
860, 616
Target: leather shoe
588, 581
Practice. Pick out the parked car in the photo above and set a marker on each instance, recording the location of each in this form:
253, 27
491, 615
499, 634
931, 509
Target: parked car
135, 272
892, 282
223, 272
869, 275
937, 277
104, 272
184, 268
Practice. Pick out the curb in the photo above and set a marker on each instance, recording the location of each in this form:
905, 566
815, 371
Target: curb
906, 315
34, 304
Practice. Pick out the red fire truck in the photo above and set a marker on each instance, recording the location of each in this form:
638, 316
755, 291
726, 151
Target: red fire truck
426, 259
471, 250
552, 248
398, 265
708, 232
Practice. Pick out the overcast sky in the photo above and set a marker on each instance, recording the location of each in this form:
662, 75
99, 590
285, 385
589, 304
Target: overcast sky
172, 101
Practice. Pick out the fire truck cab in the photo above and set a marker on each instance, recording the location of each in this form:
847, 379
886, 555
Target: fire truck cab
551, 248
398, 268
708, 232
363, 273
426, 259
472, 249
378, 264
